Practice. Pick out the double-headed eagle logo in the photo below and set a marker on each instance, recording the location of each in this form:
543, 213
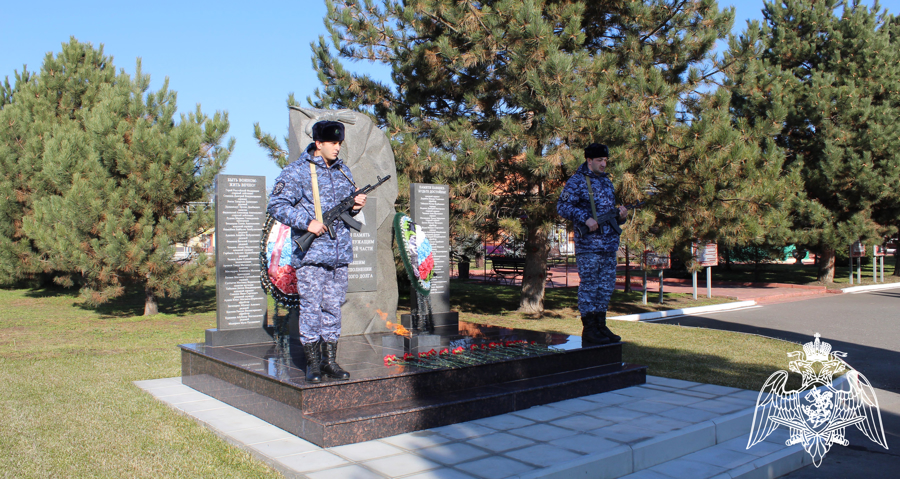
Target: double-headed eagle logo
819, 411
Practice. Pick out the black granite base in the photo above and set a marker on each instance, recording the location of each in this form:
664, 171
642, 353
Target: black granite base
449, 319
379, 401
233, 337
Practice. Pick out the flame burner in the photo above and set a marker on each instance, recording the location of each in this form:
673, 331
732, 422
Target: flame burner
399, 330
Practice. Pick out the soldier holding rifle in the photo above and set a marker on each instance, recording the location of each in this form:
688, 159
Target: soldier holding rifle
588, 200
314, 183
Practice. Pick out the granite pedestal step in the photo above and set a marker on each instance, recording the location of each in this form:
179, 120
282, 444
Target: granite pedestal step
348, 426
268, 381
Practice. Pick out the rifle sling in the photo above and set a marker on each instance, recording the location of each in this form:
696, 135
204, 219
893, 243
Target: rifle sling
591, 196
315, 187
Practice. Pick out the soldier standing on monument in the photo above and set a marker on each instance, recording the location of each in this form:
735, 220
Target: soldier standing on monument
586, 193
317, 181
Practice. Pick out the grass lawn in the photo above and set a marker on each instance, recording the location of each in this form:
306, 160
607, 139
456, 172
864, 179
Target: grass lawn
69, 408
693, 354
67, 402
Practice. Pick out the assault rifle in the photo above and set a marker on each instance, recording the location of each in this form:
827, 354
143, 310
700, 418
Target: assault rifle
608, 218
342, 211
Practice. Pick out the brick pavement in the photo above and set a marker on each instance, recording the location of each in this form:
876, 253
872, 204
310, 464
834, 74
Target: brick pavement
768, 293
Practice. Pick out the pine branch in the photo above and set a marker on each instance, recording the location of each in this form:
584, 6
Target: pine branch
675, 11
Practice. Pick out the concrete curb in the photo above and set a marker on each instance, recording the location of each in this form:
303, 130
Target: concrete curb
682, 312
872, 287
744, 304
778, 464
748, 284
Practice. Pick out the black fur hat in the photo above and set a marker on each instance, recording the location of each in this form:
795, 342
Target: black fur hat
328, 131
596, 150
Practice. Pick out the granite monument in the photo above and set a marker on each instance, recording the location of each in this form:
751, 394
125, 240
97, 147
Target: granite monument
372, 287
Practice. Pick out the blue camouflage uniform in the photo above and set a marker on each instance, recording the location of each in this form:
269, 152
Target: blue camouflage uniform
595, 252
322, 270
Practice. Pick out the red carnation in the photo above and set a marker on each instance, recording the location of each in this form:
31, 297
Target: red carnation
284, 278
426, 267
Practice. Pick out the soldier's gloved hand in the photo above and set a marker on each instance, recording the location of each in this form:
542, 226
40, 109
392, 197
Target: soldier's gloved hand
591, 224
316, 227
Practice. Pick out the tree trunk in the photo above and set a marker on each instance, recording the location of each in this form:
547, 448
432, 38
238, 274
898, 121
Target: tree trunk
826, 266
896, 254
799, 254
150, 306
534, 281
627, 270
463, 268
897, 259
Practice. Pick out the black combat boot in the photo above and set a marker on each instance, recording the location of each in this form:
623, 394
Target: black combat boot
329, 364
590, 335
601, 326
313, 374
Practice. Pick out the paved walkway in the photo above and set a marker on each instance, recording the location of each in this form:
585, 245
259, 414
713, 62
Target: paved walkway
864, 326
663, 429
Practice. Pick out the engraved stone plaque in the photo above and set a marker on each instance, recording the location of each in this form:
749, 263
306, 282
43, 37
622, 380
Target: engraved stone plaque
430, 209
363, 271
240, 301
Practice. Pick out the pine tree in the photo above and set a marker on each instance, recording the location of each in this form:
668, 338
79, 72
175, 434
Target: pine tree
706, 175
498, 99
102, 178
838, 79
7, 90
11, 249
886, 216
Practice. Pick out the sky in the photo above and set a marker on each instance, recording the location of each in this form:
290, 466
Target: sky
236, 56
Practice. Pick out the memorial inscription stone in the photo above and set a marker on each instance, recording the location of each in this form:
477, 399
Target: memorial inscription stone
372, 289
240, 301
429, 207
363, 271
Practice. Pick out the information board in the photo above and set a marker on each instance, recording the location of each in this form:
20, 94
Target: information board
705, 254
651, 260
